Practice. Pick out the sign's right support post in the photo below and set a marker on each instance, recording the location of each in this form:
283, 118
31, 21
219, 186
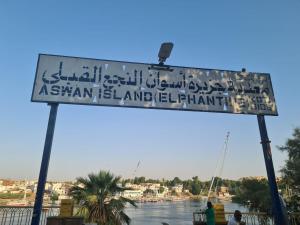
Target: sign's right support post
276, 205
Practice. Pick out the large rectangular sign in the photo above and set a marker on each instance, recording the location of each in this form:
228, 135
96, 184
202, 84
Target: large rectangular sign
86, 81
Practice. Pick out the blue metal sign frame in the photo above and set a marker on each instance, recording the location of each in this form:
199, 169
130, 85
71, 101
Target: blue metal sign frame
277, 207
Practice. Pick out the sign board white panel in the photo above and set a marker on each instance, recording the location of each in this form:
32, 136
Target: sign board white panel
86, 81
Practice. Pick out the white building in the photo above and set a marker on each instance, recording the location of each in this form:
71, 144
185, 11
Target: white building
60, 197
2, 188
48, 186
178, 188
60, 188
135, 194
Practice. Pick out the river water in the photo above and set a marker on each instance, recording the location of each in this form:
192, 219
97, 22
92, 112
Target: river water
173, 213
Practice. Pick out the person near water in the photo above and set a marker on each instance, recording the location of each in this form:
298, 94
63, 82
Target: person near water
236, 219
210, 214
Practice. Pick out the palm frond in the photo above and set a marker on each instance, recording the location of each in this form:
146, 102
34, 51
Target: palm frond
95, 196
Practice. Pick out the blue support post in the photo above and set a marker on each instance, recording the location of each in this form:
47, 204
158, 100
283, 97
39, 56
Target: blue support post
276, 205
44, 166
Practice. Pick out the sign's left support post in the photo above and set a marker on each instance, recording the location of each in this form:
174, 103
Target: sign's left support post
44, 166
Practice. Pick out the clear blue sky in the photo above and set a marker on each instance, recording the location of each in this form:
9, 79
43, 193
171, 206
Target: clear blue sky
262, 36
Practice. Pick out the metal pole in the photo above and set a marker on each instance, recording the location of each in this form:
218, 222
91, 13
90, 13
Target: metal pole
44, 166
276, 205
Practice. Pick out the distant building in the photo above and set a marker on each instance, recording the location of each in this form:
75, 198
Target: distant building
61, 188
16, 191
48, 187
60, 197
2, 188
28, 190
135, 194
178, 188
224, 189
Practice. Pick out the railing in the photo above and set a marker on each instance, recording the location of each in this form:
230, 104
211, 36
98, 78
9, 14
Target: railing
21, 215
250, 218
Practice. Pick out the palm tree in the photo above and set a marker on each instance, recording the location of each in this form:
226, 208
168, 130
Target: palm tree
96, 197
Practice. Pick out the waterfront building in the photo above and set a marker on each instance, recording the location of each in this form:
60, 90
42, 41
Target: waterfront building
178, 188
61, 188
133, 194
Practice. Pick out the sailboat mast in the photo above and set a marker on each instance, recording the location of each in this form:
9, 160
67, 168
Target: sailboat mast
224, 151
223, 159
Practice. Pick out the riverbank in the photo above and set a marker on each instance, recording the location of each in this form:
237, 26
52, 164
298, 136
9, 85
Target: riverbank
181, 198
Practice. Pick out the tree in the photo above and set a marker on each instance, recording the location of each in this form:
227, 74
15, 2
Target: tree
196, 186
139, 180
291, 170
149, 192
54, 196
176, 181
153, 181
254, 194
187, 185
96, 198
233, 186
161, 189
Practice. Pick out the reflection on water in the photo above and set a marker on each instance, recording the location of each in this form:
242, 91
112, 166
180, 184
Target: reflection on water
174, 213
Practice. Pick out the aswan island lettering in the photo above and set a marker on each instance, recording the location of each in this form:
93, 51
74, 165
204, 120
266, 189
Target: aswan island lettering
162, 97
145, 86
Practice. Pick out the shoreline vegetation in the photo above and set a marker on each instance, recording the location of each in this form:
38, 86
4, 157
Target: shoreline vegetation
138, 189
